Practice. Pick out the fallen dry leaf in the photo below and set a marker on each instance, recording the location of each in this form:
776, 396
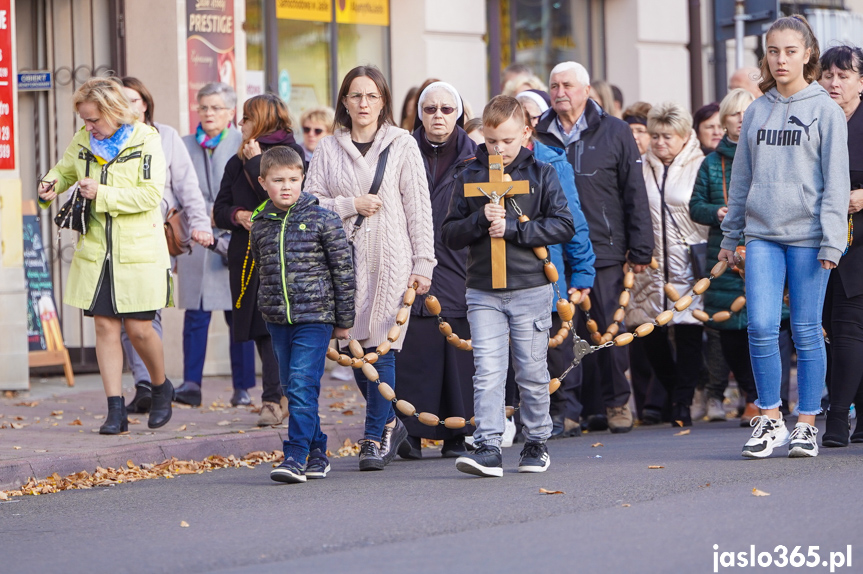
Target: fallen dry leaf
40, 450
188, 437
220, 423
756, 492
133, 421
18, 425
76, 423
181, 429
17, 447
596, 444
3, 495
655, 467
30, 404
544, 491
56, 413
626, 505
348, 413
683, 432
184, 524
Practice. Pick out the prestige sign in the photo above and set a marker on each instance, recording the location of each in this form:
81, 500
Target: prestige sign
209, 48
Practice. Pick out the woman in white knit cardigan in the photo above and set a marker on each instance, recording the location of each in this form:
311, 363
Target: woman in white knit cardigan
394, 247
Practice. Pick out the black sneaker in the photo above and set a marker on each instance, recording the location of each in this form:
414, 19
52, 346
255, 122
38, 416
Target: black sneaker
485, 461
290, 471
370, 456
534, 457
318, 464
392, 439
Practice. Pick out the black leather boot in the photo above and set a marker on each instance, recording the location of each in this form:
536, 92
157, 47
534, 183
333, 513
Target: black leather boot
160, 409
143, 398
838, 428
116, 421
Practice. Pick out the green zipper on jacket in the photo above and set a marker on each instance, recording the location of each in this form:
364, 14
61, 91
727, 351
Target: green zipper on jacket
282, 264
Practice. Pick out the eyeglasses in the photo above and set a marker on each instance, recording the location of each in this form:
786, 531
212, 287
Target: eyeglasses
215, 109
358, 98
432, 110
308, 130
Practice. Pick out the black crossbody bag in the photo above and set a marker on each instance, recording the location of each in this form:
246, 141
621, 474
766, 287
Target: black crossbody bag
373, 190
697, 251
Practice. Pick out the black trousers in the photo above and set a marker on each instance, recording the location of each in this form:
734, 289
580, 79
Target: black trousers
604, 383
272, 388
735, 349
646, 388
565, 401
677, 371
846, 337
435, 377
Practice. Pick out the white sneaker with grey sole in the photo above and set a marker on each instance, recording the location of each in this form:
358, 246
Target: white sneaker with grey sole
767, 436
803, 441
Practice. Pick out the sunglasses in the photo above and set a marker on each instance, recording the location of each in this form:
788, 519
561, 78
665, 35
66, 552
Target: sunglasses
445, 110
308, 130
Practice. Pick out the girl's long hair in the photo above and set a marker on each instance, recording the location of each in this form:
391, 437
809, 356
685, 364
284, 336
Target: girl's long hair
812, 69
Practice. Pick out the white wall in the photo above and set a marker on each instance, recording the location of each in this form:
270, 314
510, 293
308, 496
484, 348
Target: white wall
442, 39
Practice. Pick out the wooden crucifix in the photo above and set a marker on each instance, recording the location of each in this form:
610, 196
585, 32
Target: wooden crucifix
498, 187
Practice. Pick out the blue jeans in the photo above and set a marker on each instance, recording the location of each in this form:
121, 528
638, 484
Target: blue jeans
196, 325
519, 319
767, 264
301, 351
379, 411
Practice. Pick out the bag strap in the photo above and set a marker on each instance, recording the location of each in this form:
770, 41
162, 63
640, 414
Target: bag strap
724, 186
373, 190
665, 208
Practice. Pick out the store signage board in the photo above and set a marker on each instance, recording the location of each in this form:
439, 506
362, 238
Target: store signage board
209, 48
7, 111
369, 12
35, 81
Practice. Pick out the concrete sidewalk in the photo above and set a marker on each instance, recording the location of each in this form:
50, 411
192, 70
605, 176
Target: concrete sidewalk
54, 428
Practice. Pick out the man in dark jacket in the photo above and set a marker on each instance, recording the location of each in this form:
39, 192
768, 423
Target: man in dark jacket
306, 296
608, 176
519, 315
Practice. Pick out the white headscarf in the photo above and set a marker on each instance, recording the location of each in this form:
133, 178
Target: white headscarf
535, 98
440, 86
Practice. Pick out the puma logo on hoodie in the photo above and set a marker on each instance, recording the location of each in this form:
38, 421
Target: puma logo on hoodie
796, 121
785, 137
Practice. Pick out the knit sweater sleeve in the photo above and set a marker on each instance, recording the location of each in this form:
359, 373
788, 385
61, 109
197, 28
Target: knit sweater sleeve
413, 185
322, 173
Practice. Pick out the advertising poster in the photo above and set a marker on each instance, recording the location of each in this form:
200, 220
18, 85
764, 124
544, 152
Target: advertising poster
209, 48
42, 320
7, 121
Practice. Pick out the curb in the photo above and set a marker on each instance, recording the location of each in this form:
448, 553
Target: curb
14, 473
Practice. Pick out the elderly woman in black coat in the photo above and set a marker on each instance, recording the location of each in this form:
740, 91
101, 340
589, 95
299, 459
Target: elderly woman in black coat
433, 375
266, 123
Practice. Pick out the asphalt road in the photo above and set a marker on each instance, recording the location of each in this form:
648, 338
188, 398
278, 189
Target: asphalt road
426, 517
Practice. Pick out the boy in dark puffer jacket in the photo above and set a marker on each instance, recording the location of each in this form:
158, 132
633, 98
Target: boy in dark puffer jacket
306, 296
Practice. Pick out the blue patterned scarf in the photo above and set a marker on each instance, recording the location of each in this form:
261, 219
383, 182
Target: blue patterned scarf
109, 148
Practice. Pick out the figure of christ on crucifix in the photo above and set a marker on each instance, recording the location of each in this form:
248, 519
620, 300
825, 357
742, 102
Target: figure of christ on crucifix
498, 187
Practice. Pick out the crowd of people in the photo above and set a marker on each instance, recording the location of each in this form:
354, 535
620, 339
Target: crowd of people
348, 231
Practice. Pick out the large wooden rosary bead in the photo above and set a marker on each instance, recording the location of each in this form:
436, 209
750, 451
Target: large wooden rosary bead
585, 303
429, 419
540, 252
619, 315
596, 338
454, 422
624, 298
671, 292
606, 338
463, 345
402, 315
592, 327
357, 363
386, 391
654, 264
701, 286
551, 272
629, 280
644, 329
565, 310
738, 304
473, 421
509, 411
721, 316
468, 345
371, 358
356, 349
613, 329
664, 317
383, 348
683, 303
453, 339
445, 329
433, 305
701, 315
410, 296
394, 334
553, 385
332, 354
623, 339
719, 269
370, 372
344, 360
405, 408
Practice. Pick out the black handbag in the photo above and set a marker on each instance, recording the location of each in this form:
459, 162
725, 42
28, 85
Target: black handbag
75, 213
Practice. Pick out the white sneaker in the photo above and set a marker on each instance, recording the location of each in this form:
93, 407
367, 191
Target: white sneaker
508, 433
768, 434
715, 410
341, 373
803, 442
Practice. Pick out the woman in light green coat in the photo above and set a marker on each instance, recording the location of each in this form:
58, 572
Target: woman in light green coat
121, 271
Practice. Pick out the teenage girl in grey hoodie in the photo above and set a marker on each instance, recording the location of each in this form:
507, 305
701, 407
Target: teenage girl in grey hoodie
789, 199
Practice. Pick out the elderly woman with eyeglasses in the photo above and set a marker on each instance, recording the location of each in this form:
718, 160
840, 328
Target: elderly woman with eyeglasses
393, 247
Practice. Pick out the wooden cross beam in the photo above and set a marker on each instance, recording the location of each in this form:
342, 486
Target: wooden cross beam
498, 187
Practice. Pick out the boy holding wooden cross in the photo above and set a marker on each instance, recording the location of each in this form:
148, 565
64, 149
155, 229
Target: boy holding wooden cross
509, 297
